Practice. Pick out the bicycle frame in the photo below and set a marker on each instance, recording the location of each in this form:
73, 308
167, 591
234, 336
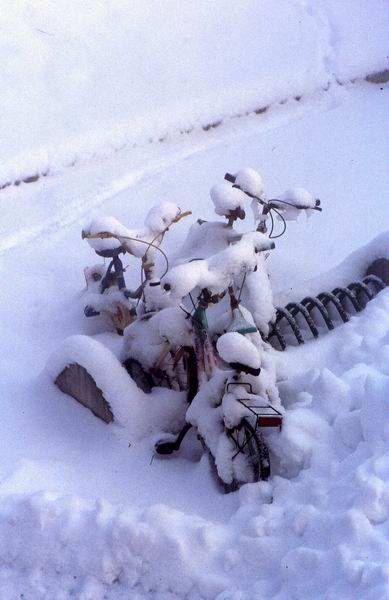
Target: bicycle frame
205, 354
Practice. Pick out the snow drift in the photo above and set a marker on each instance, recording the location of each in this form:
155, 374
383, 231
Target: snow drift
85, 77
319, 529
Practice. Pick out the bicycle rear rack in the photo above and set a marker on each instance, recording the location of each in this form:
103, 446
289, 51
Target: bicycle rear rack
314, 311
266, 415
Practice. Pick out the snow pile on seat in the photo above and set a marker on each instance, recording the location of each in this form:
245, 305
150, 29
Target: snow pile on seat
236, 348
138, 413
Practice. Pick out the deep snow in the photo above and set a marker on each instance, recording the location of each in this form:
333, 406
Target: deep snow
84, 514
90, 76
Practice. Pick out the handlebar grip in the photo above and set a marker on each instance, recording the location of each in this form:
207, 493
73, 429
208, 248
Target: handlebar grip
230, 178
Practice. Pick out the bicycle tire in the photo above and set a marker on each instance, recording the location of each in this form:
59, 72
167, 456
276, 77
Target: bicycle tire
250, 442
140, 376
192, 378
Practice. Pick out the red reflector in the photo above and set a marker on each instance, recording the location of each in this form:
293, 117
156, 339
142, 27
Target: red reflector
270, 421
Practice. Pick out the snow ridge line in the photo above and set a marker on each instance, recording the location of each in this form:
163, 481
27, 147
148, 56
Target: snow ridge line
207, 128
376, 77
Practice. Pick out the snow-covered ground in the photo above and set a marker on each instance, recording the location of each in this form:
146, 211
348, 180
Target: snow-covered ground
85, 515
90, 76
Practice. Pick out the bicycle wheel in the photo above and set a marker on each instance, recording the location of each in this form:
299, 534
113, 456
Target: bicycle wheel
251, 453
192, 379
142, 378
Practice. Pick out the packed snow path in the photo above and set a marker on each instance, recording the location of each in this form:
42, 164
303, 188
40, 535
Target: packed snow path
83, 512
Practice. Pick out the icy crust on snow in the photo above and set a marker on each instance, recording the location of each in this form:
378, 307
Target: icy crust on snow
352, 268
138, 413
318, 529
85, 77
359, 34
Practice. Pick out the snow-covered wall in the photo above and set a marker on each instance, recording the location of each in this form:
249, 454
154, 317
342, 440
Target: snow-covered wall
359, 36
90, 76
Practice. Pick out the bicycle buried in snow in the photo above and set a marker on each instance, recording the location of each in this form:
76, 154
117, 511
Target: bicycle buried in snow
200, 327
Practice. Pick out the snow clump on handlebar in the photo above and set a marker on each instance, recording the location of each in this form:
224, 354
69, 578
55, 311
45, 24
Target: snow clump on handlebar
294, 200
227, 199
250, 181
157, 221
102, 224
162, 216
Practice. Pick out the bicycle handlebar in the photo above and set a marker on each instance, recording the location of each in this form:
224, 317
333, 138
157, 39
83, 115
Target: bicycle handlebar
272, 203
230, 178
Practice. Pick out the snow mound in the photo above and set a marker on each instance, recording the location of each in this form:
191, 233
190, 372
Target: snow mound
139, 413
352, 268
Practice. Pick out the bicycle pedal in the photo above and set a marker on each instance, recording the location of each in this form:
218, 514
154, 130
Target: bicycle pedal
165, 448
